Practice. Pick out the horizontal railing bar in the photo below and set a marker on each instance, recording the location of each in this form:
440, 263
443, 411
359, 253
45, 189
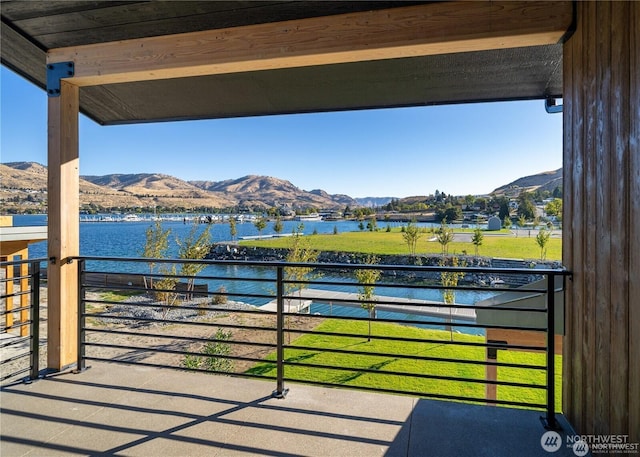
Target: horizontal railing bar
453, 323
5, 263
22, 355
174, 291
180, 276
181, 368
415, 375
15, 325
419, 394
171, 351
15, 310
15, 374
417, 357
172, 307
420, 340
184, 338
15, 294
333, 266
397, 285
14, 341
169, 321
416, 304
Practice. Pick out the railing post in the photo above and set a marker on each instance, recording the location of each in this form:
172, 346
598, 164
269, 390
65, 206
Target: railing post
81, 319
35, 320
551, 353
280, 391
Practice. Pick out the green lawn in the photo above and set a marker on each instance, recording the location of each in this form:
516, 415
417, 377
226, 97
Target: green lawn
391, 243
389, 362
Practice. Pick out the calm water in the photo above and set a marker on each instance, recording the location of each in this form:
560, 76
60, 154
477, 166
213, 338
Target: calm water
126, 239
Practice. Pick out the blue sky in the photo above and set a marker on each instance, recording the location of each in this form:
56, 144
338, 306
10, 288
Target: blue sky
457, 149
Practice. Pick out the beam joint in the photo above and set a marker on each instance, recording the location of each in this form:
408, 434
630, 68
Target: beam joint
55, 72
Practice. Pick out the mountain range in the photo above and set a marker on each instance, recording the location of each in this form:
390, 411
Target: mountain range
25, 184
23, 187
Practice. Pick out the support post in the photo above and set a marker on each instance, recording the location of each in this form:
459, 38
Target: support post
35, 320
81, 316
551, 354
63, 226
280, 391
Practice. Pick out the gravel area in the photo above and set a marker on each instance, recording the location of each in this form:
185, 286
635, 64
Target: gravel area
137, 340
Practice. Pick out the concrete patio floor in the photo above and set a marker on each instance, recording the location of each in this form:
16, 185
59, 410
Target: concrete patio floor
137, 411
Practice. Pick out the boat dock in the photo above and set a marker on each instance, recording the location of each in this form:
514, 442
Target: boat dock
393, 304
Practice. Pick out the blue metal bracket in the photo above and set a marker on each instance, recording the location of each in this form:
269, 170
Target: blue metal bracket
551, 107
55, 72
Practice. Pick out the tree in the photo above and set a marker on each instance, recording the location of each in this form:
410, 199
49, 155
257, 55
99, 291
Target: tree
260, 224
444, 236
449, 212
299, 252
155, 247
277, 225
410, 236
506, 223
554, 207
194, 247
542, 239
233, 230
469, 200
335, 229
367, 277
522, 221
526, 207
372, 224
477, 239
450, 279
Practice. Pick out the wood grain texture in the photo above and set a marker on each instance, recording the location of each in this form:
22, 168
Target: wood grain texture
430, 29
633, 327
601, 220
63, 227
619, 199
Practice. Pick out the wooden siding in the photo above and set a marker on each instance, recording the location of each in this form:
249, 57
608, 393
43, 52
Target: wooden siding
602, 220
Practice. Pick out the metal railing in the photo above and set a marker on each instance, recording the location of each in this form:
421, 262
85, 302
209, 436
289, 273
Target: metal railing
20, 320
303, 323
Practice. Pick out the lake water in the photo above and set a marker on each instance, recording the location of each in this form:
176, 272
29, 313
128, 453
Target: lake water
127, 239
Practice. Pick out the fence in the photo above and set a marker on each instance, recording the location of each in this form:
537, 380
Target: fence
416, 330
20, 321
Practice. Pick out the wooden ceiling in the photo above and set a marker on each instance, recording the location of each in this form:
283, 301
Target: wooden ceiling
235, 58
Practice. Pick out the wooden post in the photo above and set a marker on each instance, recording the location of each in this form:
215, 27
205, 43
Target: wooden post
64, 223
601, 220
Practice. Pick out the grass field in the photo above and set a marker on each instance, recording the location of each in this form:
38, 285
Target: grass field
392, 243
390, 362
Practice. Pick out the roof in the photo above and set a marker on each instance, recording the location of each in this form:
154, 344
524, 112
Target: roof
33, 30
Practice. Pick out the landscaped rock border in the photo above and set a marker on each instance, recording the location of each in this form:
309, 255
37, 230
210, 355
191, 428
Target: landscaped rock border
259, 254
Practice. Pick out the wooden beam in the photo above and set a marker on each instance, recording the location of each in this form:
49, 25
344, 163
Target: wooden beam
435, 28
64, 226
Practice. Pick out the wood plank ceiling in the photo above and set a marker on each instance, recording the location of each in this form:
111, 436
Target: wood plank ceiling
32, 29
